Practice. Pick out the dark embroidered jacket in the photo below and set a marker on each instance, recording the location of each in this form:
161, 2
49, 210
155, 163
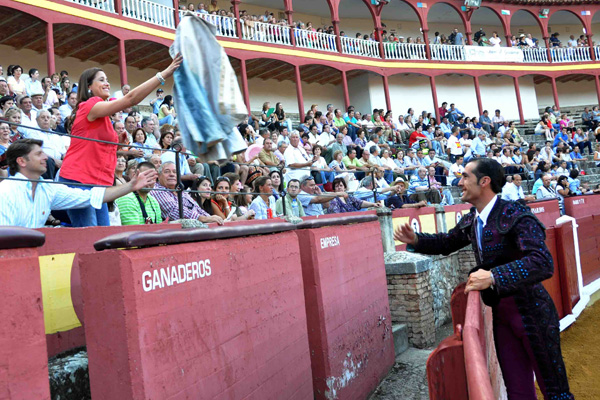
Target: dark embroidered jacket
513, 249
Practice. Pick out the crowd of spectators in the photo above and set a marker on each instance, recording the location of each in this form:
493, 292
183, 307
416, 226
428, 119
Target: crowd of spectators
332, 161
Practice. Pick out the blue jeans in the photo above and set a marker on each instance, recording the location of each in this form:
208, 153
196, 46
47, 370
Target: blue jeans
88, 216
327, 176
166, 120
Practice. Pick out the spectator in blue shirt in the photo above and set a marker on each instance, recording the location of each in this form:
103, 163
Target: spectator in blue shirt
478, 145
561, 136
574, 183
454, 113
446, 127
156, 103
419, 188
581, 140
486, 121
312, 199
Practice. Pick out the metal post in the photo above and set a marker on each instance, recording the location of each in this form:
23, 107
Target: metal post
283, 202
374, 188
179, 184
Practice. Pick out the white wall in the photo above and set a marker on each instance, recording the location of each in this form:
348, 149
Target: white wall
285, 92
529, 99
499, 93
569, 94
410, 91
459, 90
360, 89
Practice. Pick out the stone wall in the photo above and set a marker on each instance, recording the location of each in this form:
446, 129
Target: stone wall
419, 290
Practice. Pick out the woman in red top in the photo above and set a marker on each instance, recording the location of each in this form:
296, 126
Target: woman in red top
93, 162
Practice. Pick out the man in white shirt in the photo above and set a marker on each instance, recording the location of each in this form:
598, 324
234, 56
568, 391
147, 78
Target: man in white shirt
121, 93
454, 145
529, 40
297, 162
503, 128
67, 108
456, 171
572, 41
497, 120
547, 154
373, 142
28, 204
403, 128
53, 144
326, 138
514, 191
546, 191
187, 177
465, 143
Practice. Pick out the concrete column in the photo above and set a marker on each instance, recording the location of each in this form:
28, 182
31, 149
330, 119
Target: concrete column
387, 229
345, 88
122, 63
554, 92
478, 94
519, 102
50, 48
236, 13
299, 92
386, 92
245, 90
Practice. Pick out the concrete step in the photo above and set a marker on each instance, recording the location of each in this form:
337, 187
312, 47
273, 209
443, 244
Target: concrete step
400, 332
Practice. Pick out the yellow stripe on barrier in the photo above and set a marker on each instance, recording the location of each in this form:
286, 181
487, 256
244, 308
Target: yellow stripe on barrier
450, 219
428, 223
398, 221
55, 272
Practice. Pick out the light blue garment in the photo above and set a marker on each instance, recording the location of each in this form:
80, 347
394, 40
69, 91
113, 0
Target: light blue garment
260, 207
17, 208
207, 96
574, 185
416, 182
478, 147
309, 208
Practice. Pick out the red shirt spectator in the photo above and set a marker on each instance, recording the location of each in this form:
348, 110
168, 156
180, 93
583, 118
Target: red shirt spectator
415, 136
91, 162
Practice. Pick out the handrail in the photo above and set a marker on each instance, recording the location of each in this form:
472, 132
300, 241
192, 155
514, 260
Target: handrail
478, 376
447, 52
535, 55
269, 33
570, 54
225, 25
360, 47
315, 40
104, 5
405, 51
148, 11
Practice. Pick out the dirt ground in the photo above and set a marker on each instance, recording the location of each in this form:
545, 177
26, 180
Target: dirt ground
581, 351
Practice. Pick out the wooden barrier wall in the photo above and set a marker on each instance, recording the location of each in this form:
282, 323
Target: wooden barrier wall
61, 287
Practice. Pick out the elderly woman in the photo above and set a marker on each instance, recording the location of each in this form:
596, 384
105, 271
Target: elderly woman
4, 144
351, 204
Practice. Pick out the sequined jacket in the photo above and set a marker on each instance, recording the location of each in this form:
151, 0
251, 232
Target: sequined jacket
514, 250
